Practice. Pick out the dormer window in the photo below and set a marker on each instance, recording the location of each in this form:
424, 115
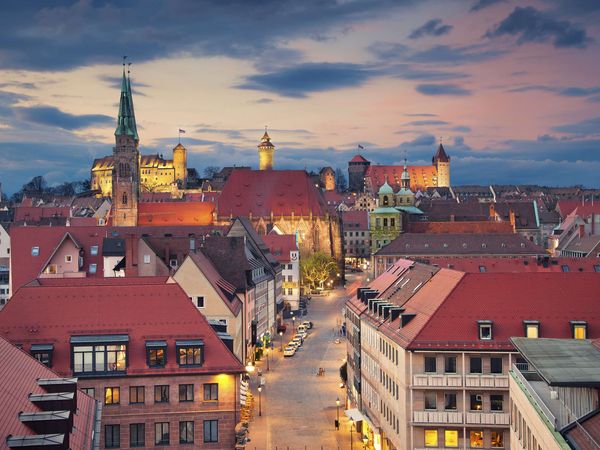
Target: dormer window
35, 251
94, 250
156, 353
43, 353
190, 353
579, 329
485, 330
532, 329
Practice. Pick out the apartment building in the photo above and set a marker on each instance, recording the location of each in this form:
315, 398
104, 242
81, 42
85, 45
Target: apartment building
429, 349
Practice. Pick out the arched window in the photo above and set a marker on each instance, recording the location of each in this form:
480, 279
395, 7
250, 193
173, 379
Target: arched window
385, 200
124, 199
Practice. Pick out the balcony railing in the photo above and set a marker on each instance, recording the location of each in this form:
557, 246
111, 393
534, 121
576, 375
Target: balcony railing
437, 380
491, 418
437, 417
486, 381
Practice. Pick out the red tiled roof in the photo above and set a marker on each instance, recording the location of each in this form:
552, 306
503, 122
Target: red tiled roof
479, 227
33, 214
144, 311
175, 213
280, 245
515, 265
360, 218
566, 207
19, 373
262, 192
359, 158
421, 177
508, 299
26, 267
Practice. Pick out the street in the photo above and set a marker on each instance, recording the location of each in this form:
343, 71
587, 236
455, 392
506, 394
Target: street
298, 407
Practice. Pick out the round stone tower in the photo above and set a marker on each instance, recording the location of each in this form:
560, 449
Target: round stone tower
180, 164
265, 152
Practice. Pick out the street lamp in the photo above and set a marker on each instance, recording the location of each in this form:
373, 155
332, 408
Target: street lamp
250, 368
259, 401
267, 351
337, 403
281, 341
294, 323
351, 425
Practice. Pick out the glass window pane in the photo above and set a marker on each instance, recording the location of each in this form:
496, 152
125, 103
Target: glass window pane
497, 439
450, 401
496, 365
430, 364
430, 400
476, 402
476, 366
476, 439
451, 438
431, 438
496, 402
450, 366
532, 331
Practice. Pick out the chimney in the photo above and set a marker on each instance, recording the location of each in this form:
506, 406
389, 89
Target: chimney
130, 256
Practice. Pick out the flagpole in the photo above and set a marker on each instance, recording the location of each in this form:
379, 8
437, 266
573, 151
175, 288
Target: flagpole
179, 133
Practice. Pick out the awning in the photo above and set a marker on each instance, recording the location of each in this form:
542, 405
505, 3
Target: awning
100, 339
155, 344
42, 347
191, 343
354, 414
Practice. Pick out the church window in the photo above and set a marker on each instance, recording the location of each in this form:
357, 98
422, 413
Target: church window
385, 222
124, 198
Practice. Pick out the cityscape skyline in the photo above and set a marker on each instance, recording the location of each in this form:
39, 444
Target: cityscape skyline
493, 79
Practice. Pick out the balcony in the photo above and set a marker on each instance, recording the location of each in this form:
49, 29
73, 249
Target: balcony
437, 380
486, 381
482, 418
453, 417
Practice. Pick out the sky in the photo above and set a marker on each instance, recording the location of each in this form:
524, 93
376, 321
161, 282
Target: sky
511, 88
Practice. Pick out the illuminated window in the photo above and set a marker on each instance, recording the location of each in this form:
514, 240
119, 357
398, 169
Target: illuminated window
476, 439
112, 396
146, 259
532, 329
156, 353
498, 439
190, 353
476, 402
89, 356
451, 438
579, 328
431, 438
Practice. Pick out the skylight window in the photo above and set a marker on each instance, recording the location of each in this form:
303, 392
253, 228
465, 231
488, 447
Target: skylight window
485, 330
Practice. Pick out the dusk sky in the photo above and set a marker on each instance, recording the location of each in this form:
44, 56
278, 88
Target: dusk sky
511, 87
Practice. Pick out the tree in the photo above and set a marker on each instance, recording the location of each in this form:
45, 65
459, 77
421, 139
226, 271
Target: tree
340, 180
36, 185
317, 268
211, 171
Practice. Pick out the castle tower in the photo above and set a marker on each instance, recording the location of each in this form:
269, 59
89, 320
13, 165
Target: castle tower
357, 168
442, 163
265, 152
180, 164
126, 154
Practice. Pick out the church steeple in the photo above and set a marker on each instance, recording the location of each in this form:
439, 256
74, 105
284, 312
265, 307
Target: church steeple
126, 125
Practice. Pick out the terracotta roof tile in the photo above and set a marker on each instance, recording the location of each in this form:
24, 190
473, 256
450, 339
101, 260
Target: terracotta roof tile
280, 245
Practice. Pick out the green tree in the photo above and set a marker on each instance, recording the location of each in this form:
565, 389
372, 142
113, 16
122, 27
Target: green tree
317, 268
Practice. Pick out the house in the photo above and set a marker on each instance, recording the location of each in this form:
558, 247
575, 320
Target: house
138, 345
357, 237
284, 249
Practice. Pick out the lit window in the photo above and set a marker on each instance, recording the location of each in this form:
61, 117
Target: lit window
68, 258
431, 438
112, 396
190, 353
35, 251
451, 438
579, 329
497, 439
532, 329
93, 268
476, 402
476, 439
156, 353
97, 355
485, 329
94, 250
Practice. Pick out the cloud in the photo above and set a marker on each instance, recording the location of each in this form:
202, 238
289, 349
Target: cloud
421, 115
532, 25
482, 4
442, 89
300, 80
263, 101
461, 128
434, 27
568, 91
232, 134
422, 140
54, 117
584, 127
421, 123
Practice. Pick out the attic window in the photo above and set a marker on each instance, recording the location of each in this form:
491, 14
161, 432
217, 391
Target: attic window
445, 245
532, 329
522, 244
426, 245
43, 353
564, 268
485, 330
35, 251
503, 244
482, 269
579, 329
94, 250
483, 245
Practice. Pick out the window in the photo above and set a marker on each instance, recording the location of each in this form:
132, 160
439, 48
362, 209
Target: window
496, 364
476, 402
189, 353
476, 439
564, 268
35, 251
485, 329
156, 353
482, 269
475, 365
186, 392
450, 401
579, 328
146, 259
94, 250
124, 199
597, 268
430, 364
496, 402
431, 400
431, 438
137, 435
89, 391
43, 353
173, 263
112, 436
290, 291
161, 433
211, 391
68, 258
450, 364
93, 268
186, 432
290, 278
161, 394
137, 394
112, 395
532, 328
211, 431
497, 439
90, 357
451, 438
200, 302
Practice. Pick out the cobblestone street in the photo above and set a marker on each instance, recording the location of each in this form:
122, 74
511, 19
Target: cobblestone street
299, 407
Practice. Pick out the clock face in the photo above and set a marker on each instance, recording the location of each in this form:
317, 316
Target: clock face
294, 256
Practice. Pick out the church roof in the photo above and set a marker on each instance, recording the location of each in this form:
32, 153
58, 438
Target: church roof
385, 189
441, 155
126, 119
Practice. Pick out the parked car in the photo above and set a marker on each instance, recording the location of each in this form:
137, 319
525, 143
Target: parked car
298, 340
289, 351
294, 344
302, 334
302, 328
308, 324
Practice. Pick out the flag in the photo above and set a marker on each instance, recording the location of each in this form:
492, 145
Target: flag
361, 147
182, 131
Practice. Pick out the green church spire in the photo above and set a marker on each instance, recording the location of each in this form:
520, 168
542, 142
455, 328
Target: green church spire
126, 120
